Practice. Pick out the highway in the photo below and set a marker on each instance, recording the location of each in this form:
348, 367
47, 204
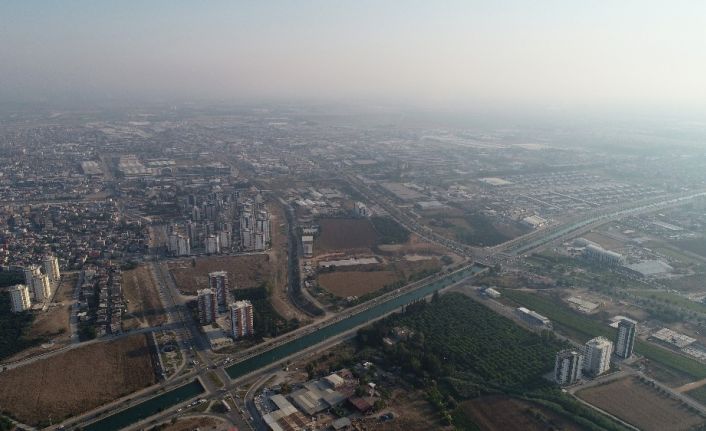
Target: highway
191, 340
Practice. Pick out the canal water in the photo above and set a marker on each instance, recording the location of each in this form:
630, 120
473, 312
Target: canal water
284, 350
190, 390
146, 409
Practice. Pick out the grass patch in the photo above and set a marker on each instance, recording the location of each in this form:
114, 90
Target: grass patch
213, 377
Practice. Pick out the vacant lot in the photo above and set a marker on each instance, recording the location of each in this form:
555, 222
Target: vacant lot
76, 381
345, 234
54, 323
689, 284
202, 423
641, 405
500, 413
694, 245
412, 413
355, 283
243, 271
144, 308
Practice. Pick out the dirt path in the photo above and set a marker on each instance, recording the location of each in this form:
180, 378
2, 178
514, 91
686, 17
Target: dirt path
690, 386
278, 259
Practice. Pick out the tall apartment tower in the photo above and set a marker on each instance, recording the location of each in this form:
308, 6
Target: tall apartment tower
241, 319
625, 342
41, 287
218, 282
597, 355
20, 298
207, 306
51, 268
30, 272
567, 366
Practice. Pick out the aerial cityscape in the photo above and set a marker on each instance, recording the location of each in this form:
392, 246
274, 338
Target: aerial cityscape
232, 263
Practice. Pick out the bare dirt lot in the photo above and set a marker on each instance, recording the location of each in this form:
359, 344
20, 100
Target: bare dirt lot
412, 413
243, 271
202, 423
500, 413
54, 322
641, 405
144, 308
76, 381
355, 283
345, 234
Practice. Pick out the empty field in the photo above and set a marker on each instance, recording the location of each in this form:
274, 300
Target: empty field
243, 271
641, 405
500, 413
355, 283
345, 234
54, 323
144, 308
76, 381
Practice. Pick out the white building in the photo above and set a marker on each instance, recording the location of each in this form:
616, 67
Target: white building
20, 298
207, 306
51, 268
567, 367
41, 287
254, 226
30, 272
361, 210
178, 245
241, 319
308, 245
212, 244
603, 256
218, 282
597, 352
625, 342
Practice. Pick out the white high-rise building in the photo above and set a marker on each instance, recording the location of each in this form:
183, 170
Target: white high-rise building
625, 342
30, 272
20, 298
567, 367
254, 226
241, 319
218, 282
207, 306
212, 244
596, 355
51, 268
41, 287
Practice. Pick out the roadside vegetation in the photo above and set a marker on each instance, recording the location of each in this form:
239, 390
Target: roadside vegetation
460, 350
14, 328
267, 322
390, 232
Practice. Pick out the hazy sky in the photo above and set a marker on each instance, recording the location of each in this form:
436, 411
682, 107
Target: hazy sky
563, 53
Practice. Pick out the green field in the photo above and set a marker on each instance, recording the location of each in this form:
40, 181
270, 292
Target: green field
459, 349
588, 328
698, 394
672, 299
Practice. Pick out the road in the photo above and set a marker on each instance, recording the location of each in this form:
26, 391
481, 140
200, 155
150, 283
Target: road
191, 339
